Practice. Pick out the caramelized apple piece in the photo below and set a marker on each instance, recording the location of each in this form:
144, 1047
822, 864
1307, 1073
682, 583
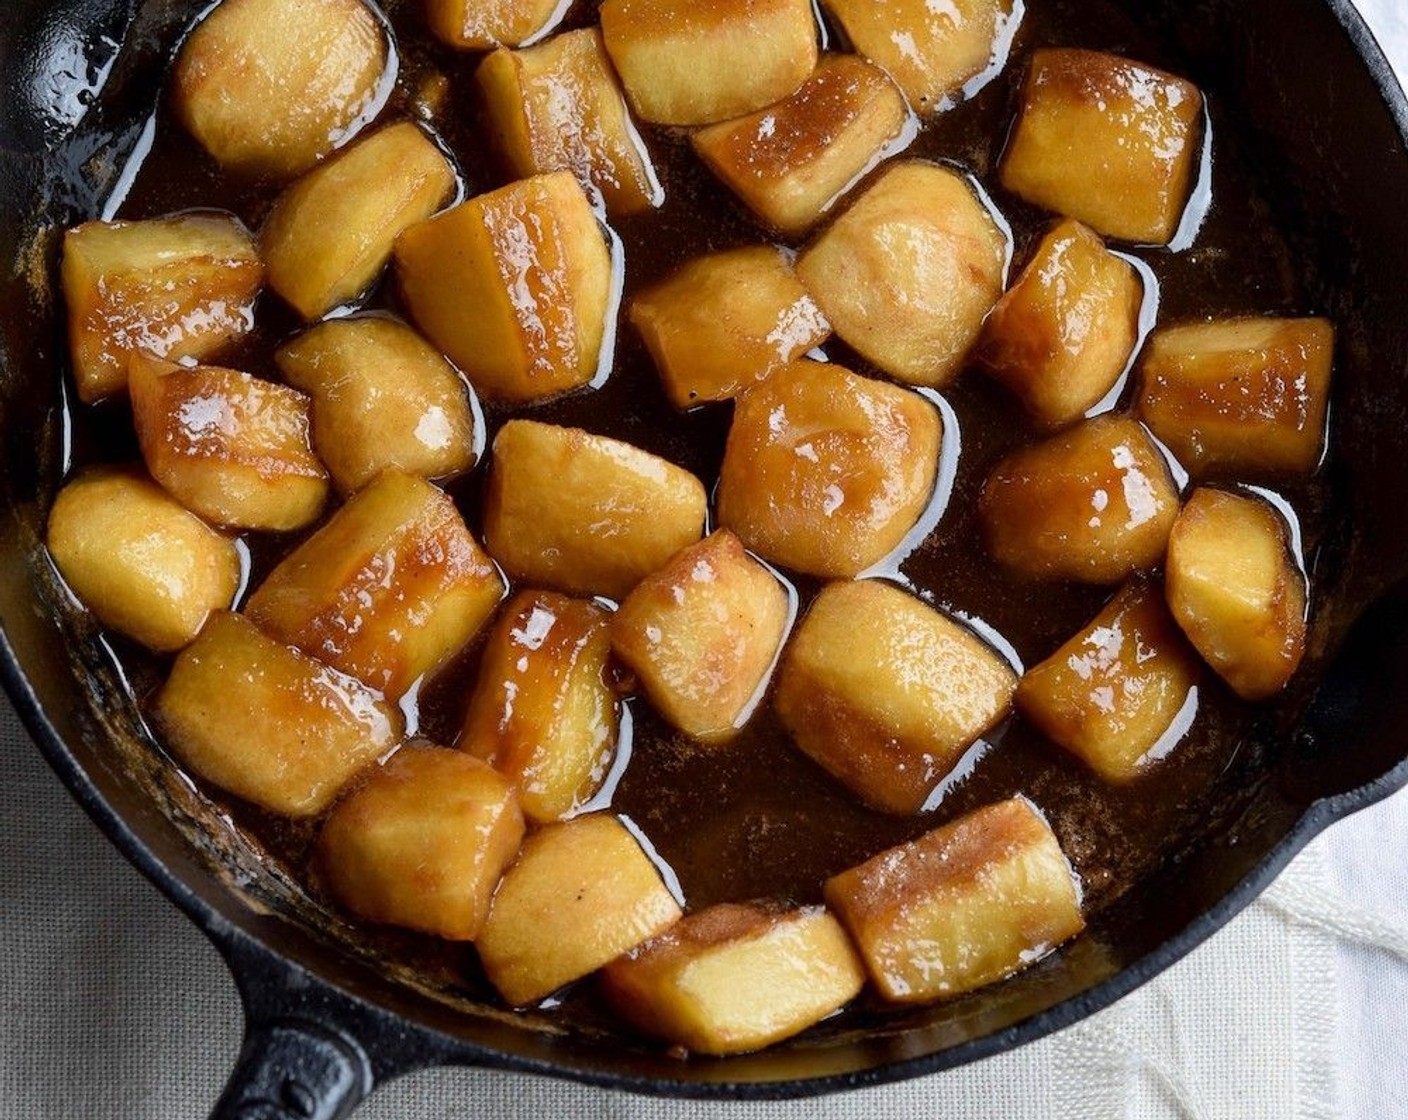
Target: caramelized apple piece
1063, 334
230, 447
962, 906
825, 472
382, 397
724, 321
330, 234
907, 274
581, 893
1092, 504
1245, 395
791, 161
514, 286
702, 635
268, 724
558, 107
733, 978
886, 693
138, 559
543, 712
269, 87
1118, 694
178, 287
387, 591
685, 62
422, 842
931, 49
1236, 591
584, 513
1106, 140
480, 25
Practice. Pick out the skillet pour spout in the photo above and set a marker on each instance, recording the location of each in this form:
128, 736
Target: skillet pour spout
325, 1024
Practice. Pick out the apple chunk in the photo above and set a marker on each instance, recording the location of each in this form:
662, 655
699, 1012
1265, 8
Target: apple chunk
261, 720
962, 906
581, 893
886, 693
481, 25
1237, 592
733, 978
422, 842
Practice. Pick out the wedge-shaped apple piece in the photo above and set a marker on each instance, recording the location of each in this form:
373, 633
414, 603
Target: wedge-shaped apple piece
1106, 140
702, 634
825, 472
382, 397
269, 87
581, 893
231, 447
886, 693
733, 978
266, 723
932, 49
1119, 694
558, 107
543, 712
687, 63
330, 234
1063, 334
586, 514
481, 25
1247, 395
907, 274
138, 559
791, 161
1237, 592
177, 287
724, 321
422, 842
514, 286
387, 591
963, 906
1092, 504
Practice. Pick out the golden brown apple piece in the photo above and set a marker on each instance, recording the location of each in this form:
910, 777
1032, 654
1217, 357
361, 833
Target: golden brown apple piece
266, 723
481, 25
269, 87
962, 906
387, 591
908, 272
558, 107
330, 234
1119, 695
724, 321
684, 62
1092, 504
138, 559
422, 842
826, 472
791, 161
1106, 140
231, 447
1064, 332
886, 693
1247, 395
585, 514
177, 287
930, 48
702, 635
1237, 592
581, 893
543, 712
514, 286
735, 978
382, 397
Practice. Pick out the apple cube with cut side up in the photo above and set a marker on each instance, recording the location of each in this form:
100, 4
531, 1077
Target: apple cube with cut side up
481, 25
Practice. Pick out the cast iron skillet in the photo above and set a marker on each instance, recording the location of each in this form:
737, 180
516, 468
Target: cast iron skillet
324, 1025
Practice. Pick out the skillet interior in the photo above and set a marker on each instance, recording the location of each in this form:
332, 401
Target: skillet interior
1320, 124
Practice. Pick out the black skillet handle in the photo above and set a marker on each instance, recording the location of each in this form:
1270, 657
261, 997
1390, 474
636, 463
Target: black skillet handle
294, 1070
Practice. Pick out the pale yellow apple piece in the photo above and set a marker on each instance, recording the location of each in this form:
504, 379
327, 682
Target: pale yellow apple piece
481, 25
